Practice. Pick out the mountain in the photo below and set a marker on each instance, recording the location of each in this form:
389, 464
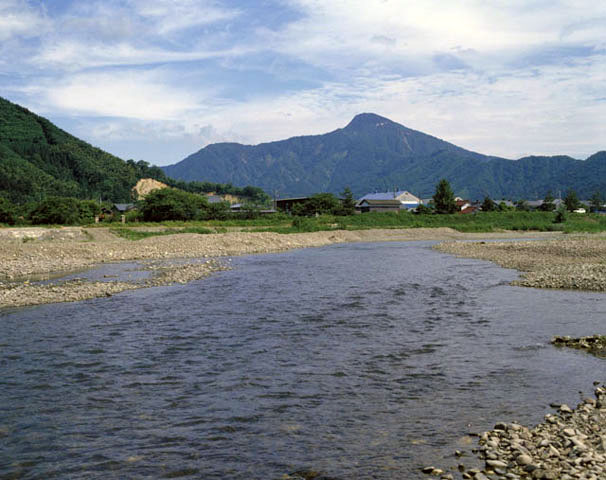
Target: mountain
374, 153
39, 159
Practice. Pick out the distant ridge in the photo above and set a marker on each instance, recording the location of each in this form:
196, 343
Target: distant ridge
374, 153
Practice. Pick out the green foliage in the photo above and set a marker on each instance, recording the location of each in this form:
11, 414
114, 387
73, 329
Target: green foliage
348, 203
305, 224
443, 199
423, 210
251, 194
63, 211
365, 157
561, 215
171, 204
571, 201
596, 202
318, 204
216, 211
548, 205
488, 205
136, 234
7, 211
522, 205
37, 160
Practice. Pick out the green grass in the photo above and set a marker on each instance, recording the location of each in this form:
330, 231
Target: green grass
135, 234
483, 222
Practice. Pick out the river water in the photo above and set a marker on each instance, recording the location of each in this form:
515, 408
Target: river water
356, 360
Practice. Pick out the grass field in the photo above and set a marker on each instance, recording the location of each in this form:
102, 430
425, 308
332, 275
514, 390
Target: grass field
480, 222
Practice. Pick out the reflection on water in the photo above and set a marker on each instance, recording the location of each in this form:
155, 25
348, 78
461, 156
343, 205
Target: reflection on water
360, 360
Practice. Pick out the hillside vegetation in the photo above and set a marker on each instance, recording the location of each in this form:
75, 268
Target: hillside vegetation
38, 159
372, 153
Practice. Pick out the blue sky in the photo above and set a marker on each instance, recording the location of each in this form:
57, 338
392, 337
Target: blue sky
158, 80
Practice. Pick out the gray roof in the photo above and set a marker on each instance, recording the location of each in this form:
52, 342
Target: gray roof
124, 207
375, 203
390, 196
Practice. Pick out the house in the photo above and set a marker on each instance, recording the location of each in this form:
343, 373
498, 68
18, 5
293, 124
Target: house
122, 208
406, 199
389, 205
287, 204
462, 204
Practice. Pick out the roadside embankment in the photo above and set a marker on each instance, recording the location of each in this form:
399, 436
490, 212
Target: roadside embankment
577, 263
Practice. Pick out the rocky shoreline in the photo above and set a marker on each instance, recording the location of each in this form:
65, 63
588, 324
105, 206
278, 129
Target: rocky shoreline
595, 344
575, 263
28, 293
568, 445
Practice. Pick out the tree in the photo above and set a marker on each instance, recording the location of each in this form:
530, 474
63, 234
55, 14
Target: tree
56, 211
443, 199
571, 201
171, 204
560, 216
596, 202
522, 205
548, 205
320, 203
348, 204
488, 204
7, 211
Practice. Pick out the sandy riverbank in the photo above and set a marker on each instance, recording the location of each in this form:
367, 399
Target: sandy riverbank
29, 254
572, 262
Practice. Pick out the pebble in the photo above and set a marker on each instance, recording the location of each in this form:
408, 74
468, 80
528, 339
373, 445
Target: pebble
569, 445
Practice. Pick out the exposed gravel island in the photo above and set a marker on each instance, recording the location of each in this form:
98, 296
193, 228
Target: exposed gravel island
576, 262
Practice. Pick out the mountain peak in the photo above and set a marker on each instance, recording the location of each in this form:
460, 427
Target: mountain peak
366, 120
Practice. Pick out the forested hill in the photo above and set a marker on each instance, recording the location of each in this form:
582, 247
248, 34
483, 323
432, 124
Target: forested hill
374, 153
38, 159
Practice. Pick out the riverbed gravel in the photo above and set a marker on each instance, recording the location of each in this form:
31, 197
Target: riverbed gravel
576, 263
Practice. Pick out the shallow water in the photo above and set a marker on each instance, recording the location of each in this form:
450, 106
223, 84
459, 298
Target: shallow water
358, 360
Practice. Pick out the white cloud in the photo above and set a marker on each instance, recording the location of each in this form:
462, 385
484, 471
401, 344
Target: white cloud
17, 19
134, 94
175, 15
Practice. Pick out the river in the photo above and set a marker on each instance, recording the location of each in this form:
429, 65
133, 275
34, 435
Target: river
356, 360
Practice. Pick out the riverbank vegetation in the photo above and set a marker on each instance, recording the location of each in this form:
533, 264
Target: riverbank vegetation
178, 211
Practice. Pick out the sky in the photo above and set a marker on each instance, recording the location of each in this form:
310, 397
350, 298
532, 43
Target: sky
157, 80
